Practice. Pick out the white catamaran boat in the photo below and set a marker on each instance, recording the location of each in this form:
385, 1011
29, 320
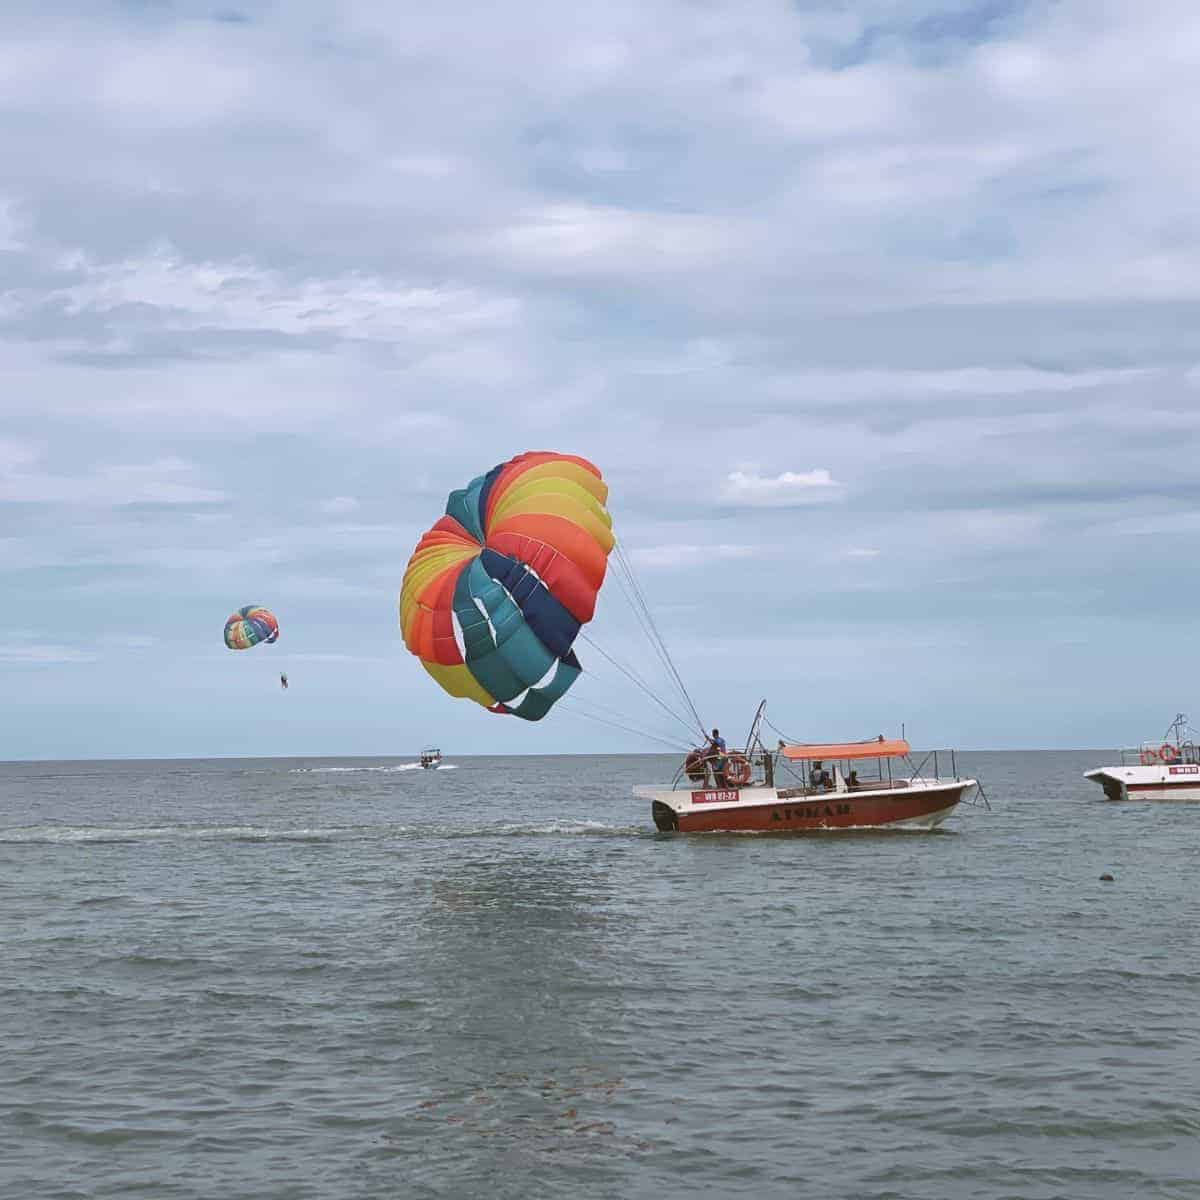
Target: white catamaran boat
1156, 770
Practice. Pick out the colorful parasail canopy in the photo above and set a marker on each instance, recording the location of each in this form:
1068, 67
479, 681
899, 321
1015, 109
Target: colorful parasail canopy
249, 626
496, 591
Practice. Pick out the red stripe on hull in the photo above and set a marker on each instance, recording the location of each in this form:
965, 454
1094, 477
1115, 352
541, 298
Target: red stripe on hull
1167, 786
843, 810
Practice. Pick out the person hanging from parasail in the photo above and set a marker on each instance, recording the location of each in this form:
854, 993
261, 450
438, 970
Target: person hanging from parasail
283, 680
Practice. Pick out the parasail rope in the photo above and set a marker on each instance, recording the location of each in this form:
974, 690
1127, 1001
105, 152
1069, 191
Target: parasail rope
631, 674
636, 609
627, 567
621, 714
573, 710
767, 721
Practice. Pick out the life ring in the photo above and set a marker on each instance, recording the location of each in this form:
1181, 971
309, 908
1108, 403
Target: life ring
737, 770
1149, 757
1167, 752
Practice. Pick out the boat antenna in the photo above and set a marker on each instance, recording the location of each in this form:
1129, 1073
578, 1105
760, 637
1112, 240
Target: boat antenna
755, 725
1179, 727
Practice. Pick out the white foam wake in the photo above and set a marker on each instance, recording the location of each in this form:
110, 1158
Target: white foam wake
354, 770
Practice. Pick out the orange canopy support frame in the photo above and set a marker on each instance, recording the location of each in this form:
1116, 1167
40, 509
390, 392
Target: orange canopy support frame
840, 751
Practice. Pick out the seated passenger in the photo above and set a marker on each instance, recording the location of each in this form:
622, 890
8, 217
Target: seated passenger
852, 781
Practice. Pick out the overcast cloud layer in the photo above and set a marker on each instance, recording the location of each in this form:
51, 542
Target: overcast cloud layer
881, 318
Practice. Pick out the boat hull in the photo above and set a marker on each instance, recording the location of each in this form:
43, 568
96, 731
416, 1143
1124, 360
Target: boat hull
1166, 782
767, 810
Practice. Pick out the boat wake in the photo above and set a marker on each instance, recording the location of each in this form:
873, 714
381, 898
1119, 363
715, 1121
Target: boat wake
387, 770
112, 834
355, 770
33, 835
556, 829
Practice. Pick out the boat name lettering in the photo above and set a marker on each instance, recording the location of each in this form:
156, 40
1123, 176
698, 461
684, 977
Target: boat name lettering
1184, 770
807, 812
722, 796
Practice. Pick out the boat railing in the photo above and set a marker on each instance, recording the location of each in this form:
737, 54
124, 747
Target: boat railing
939, 757
1155, 753
766, 765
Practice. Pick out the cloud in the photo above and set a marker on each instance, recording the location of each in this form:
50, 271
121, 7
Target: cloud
697, 557
15, 455
10, 229
779, 491
242, 296
837, 387
264, 273
590, 240
338, 506
42, 654
156, 483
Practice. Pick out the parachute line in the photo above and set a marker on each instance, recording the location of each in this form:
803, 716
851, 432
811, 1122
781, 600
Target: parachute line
635, 608
653, 632
636, 679
573, 710
619, 716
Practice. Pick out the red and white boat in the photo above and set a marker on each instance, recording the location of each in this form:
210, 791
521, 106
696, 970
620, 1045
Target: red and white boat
1166, 769
827, 791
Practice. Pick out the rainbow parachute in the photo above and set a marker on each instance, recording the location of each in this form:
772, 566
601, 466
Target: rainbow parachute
249, 626
496, 592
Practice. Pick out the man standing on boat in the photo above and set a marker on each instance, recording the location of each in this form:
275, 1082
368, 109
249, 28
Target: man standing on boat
714, 754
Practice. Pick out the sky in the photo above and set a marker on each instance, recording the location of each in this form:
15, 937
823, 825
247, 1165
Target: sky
880, 317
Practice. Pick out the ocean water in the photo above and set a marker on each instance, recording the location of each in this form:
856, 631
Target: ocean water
291, 979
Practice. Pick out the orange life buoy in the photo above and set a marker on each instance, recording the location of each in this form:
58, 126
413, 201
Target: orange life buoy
737, 770
1167, 752
1149, 757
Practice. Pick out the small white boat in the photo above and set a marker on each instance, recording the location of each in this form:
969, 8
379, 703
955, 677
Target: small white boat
431, 758
1161, 769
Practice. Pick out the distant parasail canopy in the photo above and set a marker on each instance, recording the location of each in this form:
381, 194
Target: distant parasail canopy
249, 626
497, 590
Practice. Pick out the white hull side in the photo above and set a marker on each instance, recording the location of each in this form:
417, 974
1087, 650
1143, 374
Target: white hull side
928, 821
1158, 782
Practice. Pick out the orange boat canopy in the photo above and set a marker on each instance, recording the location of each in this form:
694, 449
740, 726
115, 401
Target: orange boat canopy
836, 752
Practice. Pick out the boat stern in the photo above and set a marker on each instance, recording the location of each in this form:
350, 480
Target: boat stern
666, 819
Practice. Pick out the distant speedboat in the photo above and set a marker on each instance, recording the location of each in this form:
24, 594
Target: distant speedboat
1156, 770
740, 792
431, 758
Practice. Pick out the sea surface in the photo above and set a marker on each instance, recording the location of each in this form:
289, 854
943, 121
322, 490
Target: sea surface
352, 978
